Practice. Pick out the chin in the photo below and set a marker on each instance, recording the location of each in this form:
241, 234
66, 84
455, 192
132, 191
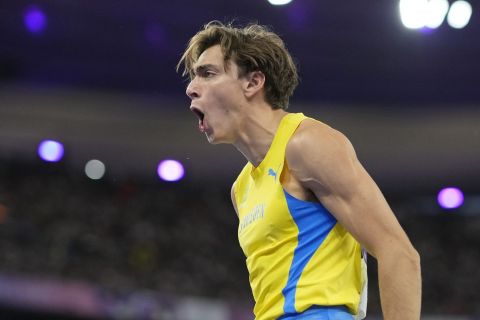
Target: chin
212, 139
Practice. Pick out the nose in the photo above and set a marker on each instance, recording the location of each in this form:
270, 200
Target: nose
192, 90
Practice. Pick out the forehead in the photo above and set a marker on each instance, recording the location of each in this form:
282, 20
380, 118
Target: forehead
212, 55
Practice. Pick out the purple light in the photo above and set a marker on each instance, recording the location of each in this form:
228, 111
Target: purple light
427, 30
450, 198
34, 19
170, 170
155, 35
298, 15
51, 151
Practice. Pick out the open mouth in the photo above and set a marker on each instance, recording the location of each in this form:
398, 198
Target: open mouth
200, 115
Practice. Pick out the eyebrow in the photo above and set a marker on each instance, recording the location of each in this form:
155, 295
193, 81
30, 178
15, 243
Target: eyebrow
203, 67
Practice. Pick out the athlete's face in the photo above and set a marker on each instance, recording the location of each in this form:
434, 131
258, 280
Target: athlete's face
216, 92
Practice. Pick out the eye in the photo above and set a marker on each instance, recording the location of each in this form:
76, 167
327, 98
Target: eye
204, 72
208, 74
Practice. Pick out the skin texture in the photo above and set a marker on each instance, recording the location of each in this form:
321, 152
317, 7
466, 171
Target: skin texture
332, 172
329, 172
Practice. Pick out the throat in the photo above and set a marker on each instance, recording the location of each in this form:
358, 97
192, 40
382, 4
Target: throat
258, 133
256, 148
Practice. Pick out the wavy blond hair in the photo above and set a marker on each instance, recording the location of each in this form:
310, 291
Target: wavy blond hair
253, 48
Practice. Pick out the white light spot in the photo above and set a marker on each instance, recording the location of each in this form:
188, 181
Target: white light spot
279, 2
413, 13
436, 12
95, 169
459, 14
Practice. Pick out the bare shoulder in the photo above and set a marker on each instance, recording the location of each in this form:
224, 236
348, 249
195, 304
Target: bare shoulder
317, 148
313, 133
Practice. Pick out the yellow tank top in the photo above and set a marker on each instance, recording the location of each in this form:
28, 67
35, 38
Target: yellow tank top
297, 255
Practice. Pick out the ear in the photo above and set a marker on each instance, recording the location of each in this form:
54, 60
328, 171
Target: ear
255, 82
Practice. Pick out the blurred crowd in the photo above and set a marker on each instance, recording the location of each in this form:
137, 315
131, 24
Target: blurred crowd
181, 238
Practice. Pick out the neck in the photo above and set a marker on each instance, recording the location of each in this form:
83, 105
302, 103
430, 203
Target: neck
257, 132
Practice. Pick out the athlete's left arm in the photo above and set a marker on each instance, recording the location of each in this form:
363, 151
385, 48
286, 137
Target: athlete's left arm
324, 162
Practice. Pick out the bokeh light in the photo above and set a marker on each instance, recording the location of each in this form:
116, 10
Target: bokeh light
50, 150
436, 12
279, 2
417, 14
459, 14
95, 169
35, 19
413, 12
170, 170
450, 198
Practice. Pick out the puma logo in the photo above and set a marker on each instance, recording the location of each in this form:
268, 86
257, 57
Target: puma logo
272, 173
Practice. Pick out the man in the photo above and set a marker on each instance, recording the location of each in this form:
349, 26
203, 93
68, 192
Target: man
305, 204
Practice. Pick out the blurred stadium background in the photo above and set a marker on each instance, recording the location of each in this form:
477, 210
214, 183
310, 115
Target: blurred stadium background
118, 238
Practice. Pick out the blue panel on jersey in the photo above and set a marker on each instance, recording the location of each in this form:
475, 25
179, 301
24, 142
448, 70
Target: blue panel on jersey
321, 313
314, 222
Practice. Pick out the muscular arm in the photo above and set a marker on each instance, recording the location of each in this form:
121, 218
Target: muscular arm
324, 162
